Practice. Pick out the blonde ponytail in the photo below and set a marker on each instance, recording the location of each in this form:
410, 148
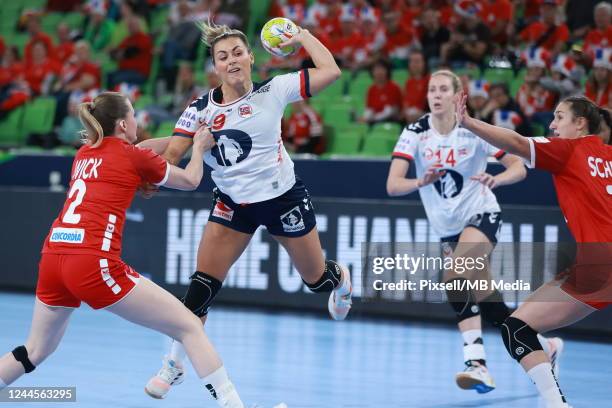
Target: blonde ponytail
211, 33
93, 133
100, 116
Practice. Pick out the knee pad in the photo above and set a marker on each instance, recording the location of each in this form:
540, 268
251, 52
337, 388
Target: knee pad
201, 292
519, 338
331, 278
462, 301
21, 354
494, 310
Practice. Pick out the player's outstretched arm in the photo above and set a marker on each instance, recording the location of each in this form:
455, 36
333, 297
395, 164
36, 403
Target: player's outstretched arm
189, 178
505, 139
176, 148
158, 145
326, 70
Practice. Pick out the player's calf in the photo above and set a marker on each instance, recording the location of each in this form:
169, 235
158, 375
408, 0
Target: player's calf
337, 280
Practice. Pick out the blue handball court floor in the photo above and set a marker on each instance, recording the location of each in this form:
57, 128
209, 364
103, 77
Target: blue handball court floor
305, 361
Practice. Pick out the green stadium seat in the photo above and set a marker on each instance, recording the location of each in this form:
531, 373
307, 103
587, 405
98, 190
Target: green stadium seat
258, 15
400, 76
374, 146
38, 116
11, 133
143, 101
515, 85
337, 114
499, 75
537, 130
165, 129
345, 144
472, 73
74, 20
358, 88
50, 21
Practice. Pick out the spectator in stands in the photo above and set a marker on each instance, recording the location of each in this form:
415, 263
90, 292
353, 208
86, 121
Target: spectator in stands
370, 43
565, 77
344, 47
546, 32
36, 36
324, 15
121, 30
79, 74
599, 84
601, 35
470, 40
134, 56
415, 88
384, 98
505, 111
433, 36
536, 102
498, 15
42, 70
399, 39
99, 29
294, 10
63, 51
304, 129
181, 42
185, 91
478, 96
14, 91
412, 11
579, 15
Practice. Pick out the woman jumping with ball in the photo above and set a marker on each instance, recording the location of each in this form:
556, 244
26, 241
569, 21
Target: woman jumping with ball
255, 181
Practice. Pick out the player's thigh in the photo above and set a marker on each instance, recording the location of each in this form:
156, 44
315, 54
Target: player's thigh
550, 308
473, 244
151, 306
306, 254
219, 248
49, 324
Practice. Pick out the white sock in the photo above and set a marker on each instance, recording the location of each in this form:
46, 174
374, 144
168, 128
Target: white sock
2, 384
544, 379
177, 352
222, 389
343, 288
544, 343
471, 350
470, 336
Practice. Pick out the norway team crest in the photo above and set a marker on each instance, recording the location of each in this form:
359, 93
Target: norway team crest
292, 220
233, 146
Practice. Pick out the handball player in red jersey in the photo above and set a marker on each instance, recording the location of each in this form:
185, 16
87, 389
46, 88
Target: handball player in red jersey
580, 161
81, 256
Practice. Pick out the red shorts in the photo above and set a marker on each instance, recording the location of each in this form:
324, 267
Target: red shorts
590, 284
67, 280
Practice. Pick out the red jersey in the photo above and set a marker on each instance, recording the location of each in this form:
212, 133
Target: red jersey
537, 30
415, 93
138, 53
601, 98
582, 173
37, 75
45, 38
536, 99
63, 52
103, 183
597, 39
381, 96
73, 73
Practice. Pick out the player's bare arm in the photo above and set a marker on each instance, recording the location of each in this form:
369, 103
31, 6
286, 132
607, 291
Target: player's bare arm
326, 70
505, 139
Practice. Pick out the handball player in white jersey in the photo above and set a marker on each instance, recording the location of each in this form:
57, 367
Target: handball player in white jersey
255, 181
455, 189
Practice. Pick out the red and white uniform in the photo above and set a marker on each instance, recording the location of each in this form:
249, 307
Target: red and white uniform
82, 254
582, 173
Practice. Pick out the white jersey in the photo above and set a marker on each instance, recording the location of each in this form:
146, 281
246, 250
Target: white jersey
451, 201
249, 162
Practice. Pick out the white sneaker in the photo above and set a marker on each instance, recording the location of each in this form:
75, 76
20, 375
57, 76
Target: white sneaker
475, 377
170, 374
339, 306
554, 355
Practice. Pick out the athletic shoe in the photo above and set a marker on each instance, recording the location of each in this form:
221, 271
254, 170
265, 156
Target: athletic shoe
339, 306
170, 374
475, 377
556, 348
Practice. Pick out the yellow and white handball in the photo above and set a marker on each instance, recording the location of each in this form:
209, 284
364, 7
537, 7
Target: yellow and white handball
277, 31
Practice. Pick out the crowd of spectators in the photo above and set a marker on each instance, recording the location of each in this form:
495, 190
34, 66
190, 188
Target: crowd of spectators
555, 48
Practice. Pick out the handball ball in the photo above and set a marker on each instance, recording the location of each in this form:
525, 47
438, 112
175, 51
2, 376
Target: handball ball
276, 31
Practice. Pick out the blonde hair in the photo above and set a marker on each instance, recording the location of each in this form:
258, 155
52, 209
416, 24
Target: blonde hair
455, 80
212, 33
100, 116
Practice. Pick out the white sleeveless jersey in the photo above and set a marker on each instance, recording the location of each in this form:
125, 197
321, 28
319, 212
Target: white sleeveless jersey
451, 201
249, 162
